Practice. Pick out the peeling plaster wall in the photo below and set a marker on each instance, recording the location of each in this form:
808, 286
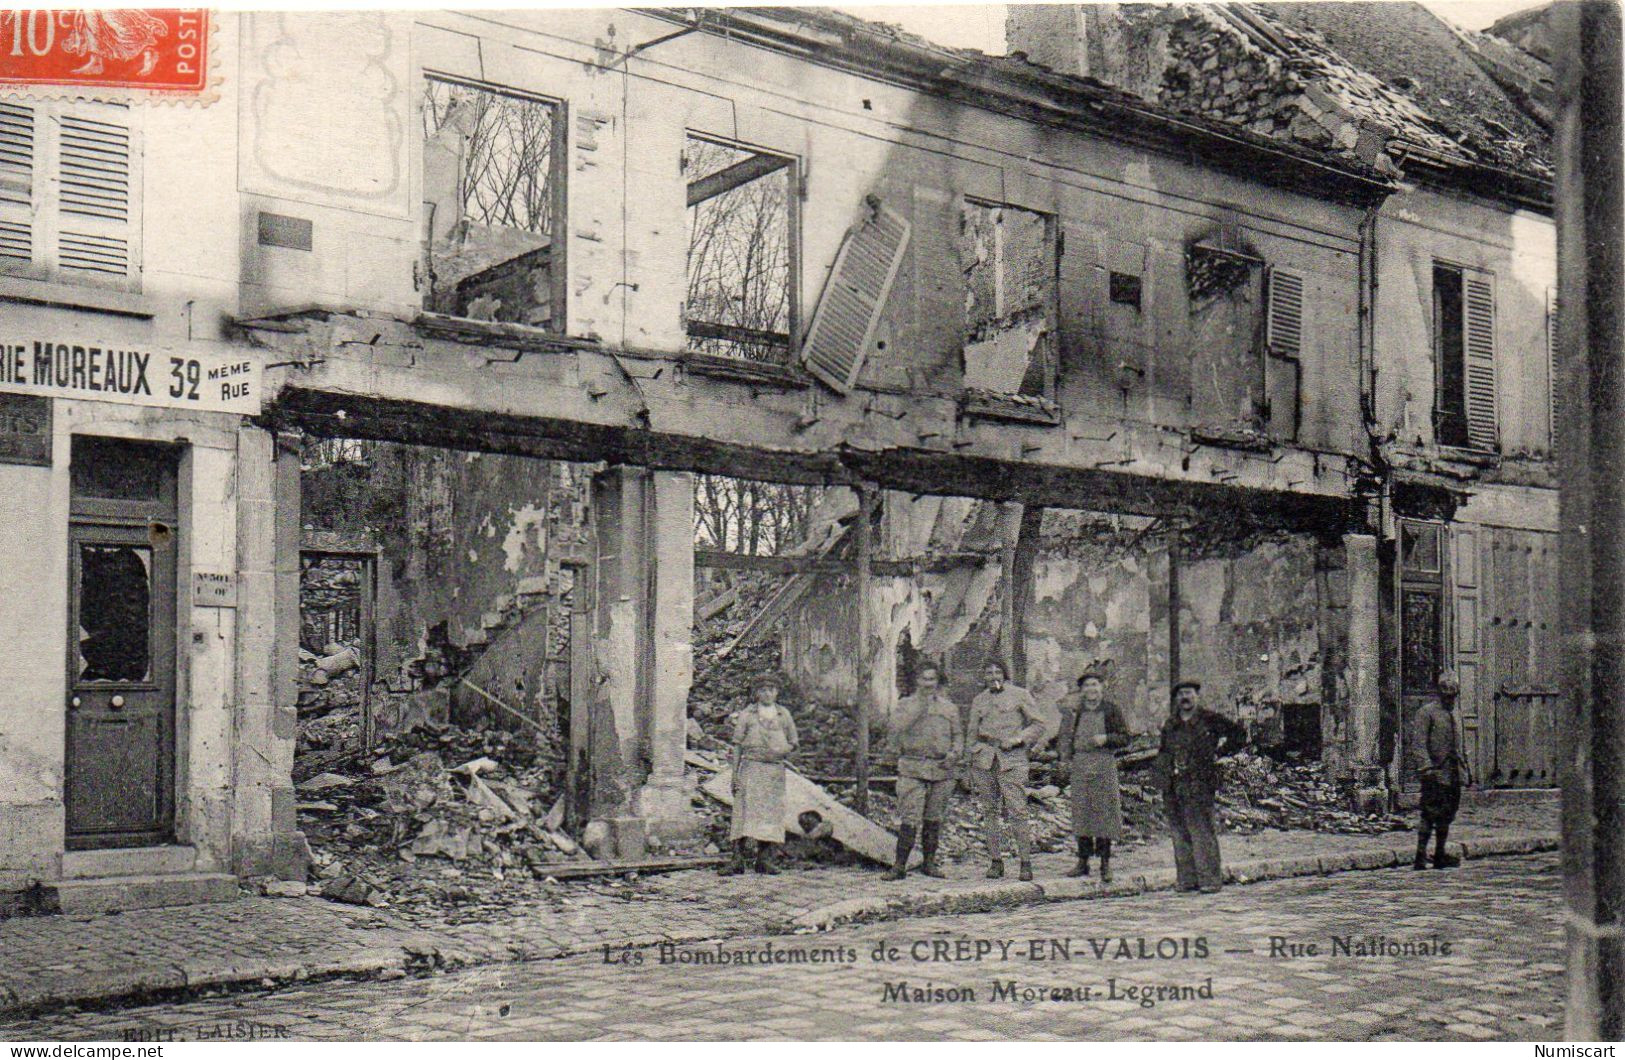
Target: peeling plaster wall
1251, 621
461, 534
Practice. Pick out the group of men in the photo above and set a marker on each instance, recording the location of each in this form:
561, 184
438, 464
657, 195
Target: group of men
1005, 727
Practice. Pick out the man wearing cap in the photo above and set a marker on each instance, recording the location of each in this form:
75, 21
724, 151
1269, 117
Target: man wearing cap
1441, 772
1005, 724
929, 742
1193, 741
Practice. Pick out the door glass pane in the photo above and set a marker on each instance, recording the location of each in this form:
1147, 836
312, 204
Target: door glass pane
115, 613
1421, 636
1419, 547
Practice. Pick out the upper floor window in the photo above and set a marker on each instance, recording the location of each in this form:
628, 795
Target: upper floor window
493, 192
741, 251
1464, 406
1008, 258
70, 192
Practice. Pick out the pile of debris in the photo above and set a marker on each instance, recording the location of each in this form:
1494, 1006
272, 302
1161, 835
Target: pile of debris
1261, 793
475, 806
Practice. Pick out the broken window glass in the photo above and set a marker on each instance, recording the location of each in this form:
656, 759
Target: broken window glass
115, 613
491, 188
1419, 547
739, 251
1007, 255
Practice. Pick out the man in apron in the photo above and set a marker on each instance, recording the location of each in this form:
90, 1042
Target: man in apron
1097, 729
764, 734
929, 742
1005, 724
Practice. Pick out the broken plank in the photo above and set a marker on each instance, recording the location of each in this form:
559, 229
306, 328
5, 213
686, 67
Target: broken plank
725, 180
847, 827
769, 615
584, 869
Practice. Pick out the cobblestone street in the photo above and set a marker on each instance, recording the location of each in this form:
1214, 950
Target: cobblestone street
1490, 970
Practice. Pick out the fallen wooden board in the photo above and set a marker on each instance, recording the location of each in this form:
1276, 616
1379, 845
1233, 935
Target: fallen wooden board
582, 869
847, 827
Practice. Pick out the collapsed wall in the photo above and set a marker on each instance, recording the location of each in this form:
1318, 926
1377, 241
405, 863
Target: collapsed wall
1262, 616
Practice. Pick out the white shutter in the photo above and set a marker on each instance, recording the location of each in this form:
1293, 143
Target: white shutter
1478, 327
844, 323
96, 208
1284, 327
18, 149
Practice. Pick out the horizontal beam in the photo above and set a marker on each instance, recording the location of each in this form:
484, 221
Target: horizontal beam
718, 559
330, 414
725, 180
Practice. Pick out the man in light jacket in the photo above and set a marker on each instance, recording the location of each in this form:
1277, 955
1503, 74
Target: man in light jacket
929, 742
1005, 725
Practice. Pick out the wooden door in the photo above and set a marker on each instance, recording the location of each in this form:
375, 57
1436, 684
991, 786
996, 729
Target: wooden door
120, 753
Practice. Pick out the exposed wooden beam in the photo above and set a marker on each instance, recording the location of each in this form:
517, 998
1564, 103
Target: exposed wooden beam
863, 547
726, 180
716, 559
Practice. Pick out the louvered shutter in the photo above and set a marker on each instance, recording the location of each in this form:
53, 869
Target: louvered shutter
18, 148
96, 209
844, 323
1552, 381
1478, 326
1284, 330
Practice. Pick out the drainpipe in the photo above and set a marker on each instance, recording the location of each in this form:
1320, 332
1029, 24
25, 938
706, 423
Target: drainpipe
1591, 453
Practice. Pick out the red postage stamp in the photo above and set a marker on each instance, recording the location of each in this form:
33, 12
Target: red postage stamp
164, 50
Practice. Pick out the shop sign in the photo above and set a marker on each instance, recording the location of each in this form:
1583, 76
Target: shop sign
203, 382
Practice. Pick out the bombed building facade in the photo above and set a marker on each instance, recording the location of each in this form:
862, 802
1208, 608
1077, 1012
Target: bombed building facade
1091, 363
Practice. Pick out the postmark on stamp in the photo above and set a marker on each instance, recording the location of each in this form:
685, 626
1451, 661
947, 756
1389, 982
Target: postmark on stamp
124, 54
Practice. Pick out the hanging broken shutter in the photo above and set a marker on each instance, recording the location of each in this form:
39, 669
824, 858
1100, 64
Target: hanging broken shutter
96, 208
17, 153
1478, 313
844, 323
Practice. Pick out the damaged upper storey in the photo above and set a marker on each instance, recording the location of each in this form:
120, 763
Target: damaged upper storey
1405, 91
607, 227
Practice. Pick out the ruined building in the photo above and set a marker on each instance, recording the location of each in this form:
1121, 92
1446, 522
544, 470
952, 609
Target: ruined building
979, 293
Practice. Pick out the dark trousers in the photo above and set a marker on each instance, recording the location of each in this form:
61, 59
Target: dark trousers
1440, 801
1196, 846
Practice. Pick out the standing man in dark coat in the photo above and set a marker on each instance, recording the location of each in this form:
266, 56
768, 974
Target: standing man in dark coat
1193, 741
1085, 752
1436, 749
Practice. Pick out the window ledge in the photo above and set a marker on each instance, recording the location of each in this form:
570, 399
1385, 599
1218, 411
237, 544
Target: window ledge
1016, 408
1477, 457
1243, 438
76, 296
738, 368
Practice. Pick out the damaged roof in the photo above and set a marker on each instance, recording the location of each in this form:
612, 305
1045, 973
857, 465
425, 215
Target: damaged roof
1489, 98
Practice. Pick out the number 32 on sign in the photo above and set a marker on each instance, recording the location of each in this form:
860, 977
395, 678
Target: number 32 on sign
203, 381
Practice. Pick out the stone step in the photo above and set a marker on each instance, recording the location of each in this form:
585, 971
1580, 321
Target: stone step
113, 893
128, 861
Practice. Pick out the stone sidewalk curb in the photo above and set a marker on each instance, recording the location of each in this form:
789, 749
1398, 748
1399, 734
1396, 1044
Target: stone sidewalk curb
993, 896
421, 950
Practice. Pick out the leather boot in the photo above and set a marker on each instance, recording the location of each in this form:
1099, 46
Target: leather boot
1085, 848
738, 862
1103, 847
929, 834
1421, 861
1026, 873
905, 846
764, 859
995, 871
1441, 860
